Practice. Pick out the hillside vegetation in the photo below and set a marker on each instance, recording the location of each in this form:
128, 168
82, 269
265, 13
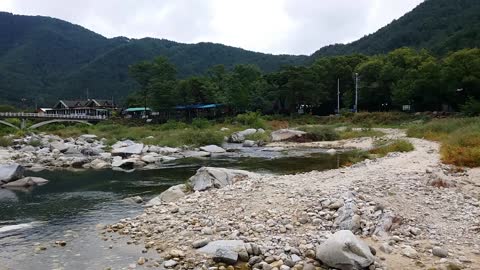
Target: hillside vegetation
440, 26
43, 59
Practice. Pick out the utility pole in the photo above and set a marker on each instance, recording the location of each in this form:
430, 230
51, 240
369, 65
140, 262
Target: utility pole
338, 96
356, 92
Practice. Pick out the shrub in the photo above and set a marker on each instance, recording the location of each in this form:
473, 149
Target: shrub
201, 123
349, 133
321, 133
200, 138
172, 124
5, 141
392, 146
35, 143
251, 119
471, 107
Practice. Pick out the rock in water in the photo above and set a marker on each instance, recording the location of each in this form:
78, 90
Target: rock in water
209, 177
213, 149
286, 134
344, 251
10, 172
27, 182
170, 195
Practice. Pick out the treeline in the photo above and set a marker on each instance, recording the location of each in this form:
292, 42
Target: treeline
386, 82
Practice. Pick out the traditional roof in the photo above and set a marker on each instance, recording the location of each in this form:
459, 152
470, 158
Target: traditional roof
83, 103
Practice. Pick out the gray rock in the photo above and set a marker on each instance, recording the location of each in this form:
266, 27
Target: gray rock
26, 182
223, 255
60, 146
344, 251
233, 245
170, 263
410, 252
99, 164
133, 149
286, 134
239, 137
440, 252
209, 177
73, 151
248, 143
200, 243
124, 163
196, 154
135, 199
347, 218
10, 172
79, 162
213, 149
170, 195
254, 260
151, 158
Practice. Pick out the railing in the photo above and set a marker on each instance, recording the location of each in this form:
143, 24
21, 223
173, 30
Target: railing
52, 116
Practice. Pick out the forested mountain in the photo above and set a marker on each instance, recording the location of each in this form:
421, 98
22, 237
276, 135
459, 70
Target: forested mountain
43, 59
440, 26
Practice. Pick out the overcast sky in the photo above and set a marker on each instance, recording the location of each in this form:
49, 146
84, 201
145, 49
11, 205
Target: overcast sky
272, 26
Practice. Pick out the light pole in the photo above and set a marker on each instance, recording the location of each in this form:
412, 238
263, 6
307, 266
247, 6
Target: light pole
356, 92
338, 96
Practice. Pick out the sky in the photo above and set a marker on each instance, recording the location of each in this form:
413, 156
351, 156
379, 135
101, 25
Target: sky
270, 26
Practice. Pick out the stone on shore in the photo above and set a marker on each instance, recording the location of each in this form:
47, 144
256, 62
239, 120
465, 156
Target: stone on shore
60, 146
227, 256
170, 195
212, 149
133, 149
286, 134
209, 177
239, 137
248, 143
440, 252
11, 172
227, 251
344, 251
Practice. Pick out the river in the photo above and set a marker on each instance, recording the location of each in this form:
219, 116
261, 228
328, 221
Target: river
72, 204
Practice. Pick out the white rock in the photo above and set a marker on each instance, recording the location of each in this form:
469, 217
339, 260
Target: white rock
212, 149
209, 177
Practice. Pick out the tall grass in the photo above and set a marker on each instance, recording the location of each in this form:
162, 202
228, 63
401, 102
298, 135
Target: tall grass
350, 133
320, 133
392, 146
459, 138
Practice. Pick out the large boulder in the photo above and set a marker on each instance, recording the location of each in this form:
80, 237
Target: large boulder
133, 149
239, 137
209, 177
26, 182
344, 251
213, 149
286, 135
170, 195
10, 172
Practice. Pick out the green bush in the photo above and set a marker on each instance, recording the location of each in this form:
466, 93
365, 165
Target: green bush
5, 141
471, 107
251, 119
200, 138
35, 143
392, 146
321, 133
201, 123
172, 124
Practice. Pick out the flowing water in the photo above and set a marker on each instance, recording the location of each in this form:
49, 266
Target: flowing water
70, 206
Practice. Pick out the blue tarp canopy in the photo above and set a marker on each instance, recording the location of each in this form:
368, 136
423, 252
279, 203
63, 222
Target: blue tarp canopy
137, 109
198, 106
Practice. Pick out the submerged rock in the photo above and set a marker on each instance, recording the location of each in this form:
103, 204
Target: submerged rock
209, 177
344, 251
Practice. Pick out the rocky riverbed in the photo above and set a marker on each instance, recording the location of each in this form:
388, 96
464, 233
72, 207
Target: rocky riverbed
407, 210
37, 152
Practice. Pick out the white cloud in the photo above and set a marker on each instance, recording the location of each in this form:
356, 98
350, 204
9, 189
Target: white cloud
274, 26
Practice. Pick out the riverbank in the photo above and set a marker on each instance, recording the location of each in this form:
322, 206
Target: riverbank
434, 211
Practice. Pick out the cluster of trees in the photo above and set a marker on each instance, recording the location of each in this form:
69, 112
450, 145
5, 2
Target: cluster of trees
402, 77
